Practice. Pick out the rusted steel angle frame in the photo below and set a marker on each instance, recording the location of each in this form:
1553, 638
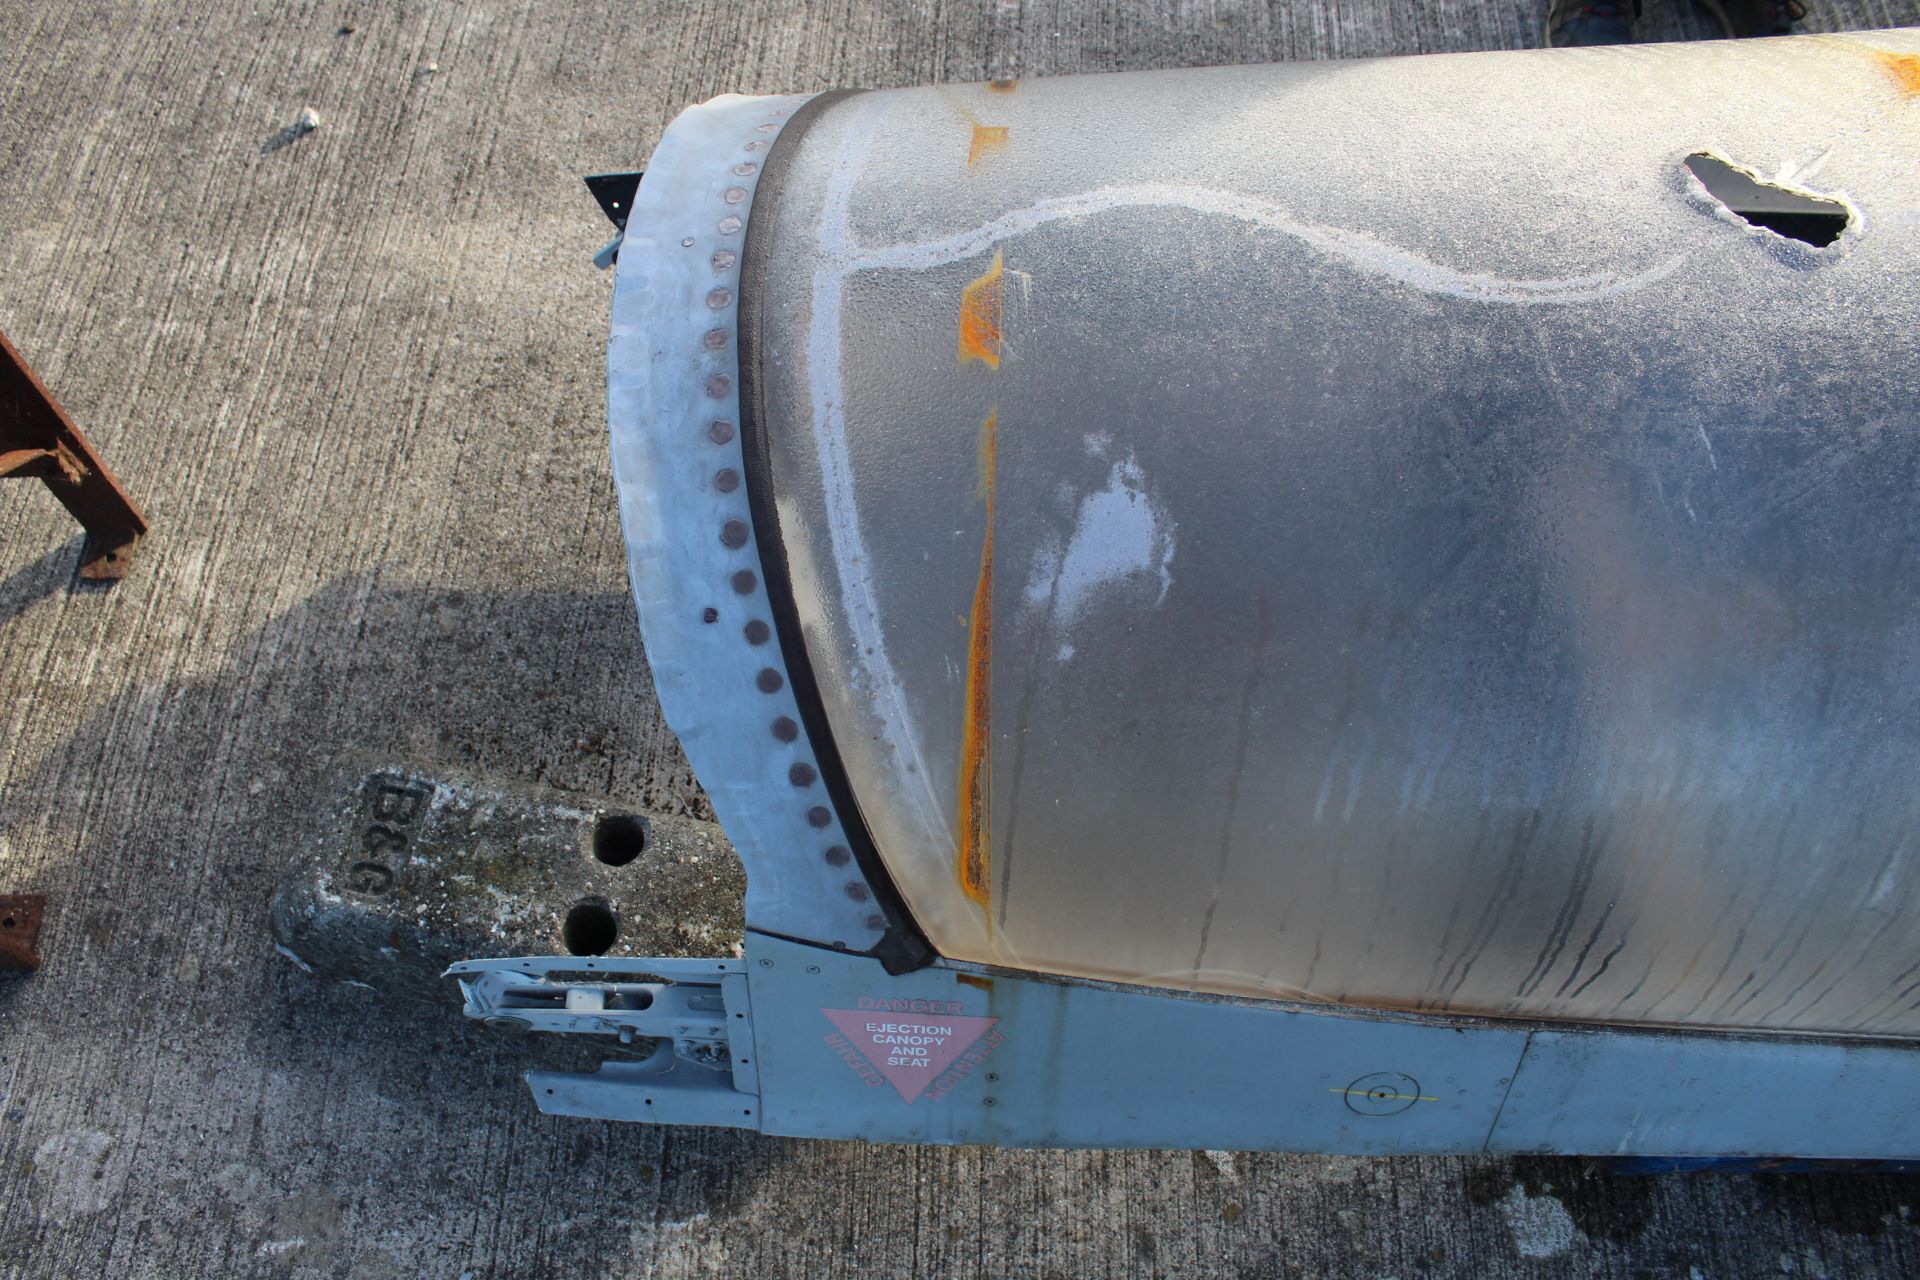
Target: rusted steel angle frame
38, 440
20, 916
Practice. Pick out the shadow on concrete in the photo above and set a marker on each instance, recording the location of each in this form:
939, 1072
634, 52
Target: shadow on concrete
26, 586
193, 796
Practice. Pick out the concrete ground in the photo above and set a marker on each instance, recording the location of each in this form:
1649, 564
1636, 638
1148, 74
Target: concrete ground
357, 380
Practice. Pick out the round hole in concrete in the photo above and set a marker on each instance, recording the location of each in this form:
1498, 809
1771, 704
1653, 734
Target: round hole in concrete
619, 838
590, 928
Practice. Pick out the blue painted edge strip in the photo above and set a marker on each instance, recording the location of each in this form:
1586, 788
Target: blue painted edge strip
954, 1053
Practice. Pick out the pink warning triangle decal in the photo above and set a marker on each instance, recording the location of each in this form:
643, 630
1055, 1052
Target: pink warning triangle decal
908, 1050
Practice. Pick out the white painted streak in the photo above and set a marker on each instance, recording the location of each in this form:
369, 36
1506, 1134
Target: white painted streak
1356, 248
1707, 440
873, 667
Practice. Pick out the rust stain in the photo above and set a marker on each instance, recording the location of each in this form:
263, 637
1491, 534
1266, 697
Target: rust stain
976, 774
1905, 70
974, 980
980, 318
987, 139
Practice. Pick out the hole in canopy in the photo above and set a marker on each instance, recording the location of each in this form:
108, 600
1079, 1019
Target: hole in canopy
1797, 215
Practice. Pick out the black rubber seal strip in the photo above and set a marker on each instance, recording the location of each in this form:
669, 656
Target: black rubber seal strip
903, 947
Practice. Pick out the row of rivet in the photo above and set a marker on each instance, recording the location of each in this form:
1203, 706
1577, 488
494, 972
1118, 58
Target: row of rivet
735, 532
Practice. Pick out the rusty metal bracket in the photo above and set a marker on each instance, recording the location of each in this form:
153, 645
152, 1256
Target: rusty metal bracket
38, 440
20, 915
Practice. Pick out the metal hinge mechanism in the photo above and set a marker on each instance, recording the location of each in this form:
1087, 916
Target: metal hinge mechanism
686, 1022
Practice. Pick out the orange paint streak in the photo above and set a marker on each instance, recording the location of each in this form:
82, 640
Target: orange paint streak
987, 139
980, 318
1905, 70
976, 743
